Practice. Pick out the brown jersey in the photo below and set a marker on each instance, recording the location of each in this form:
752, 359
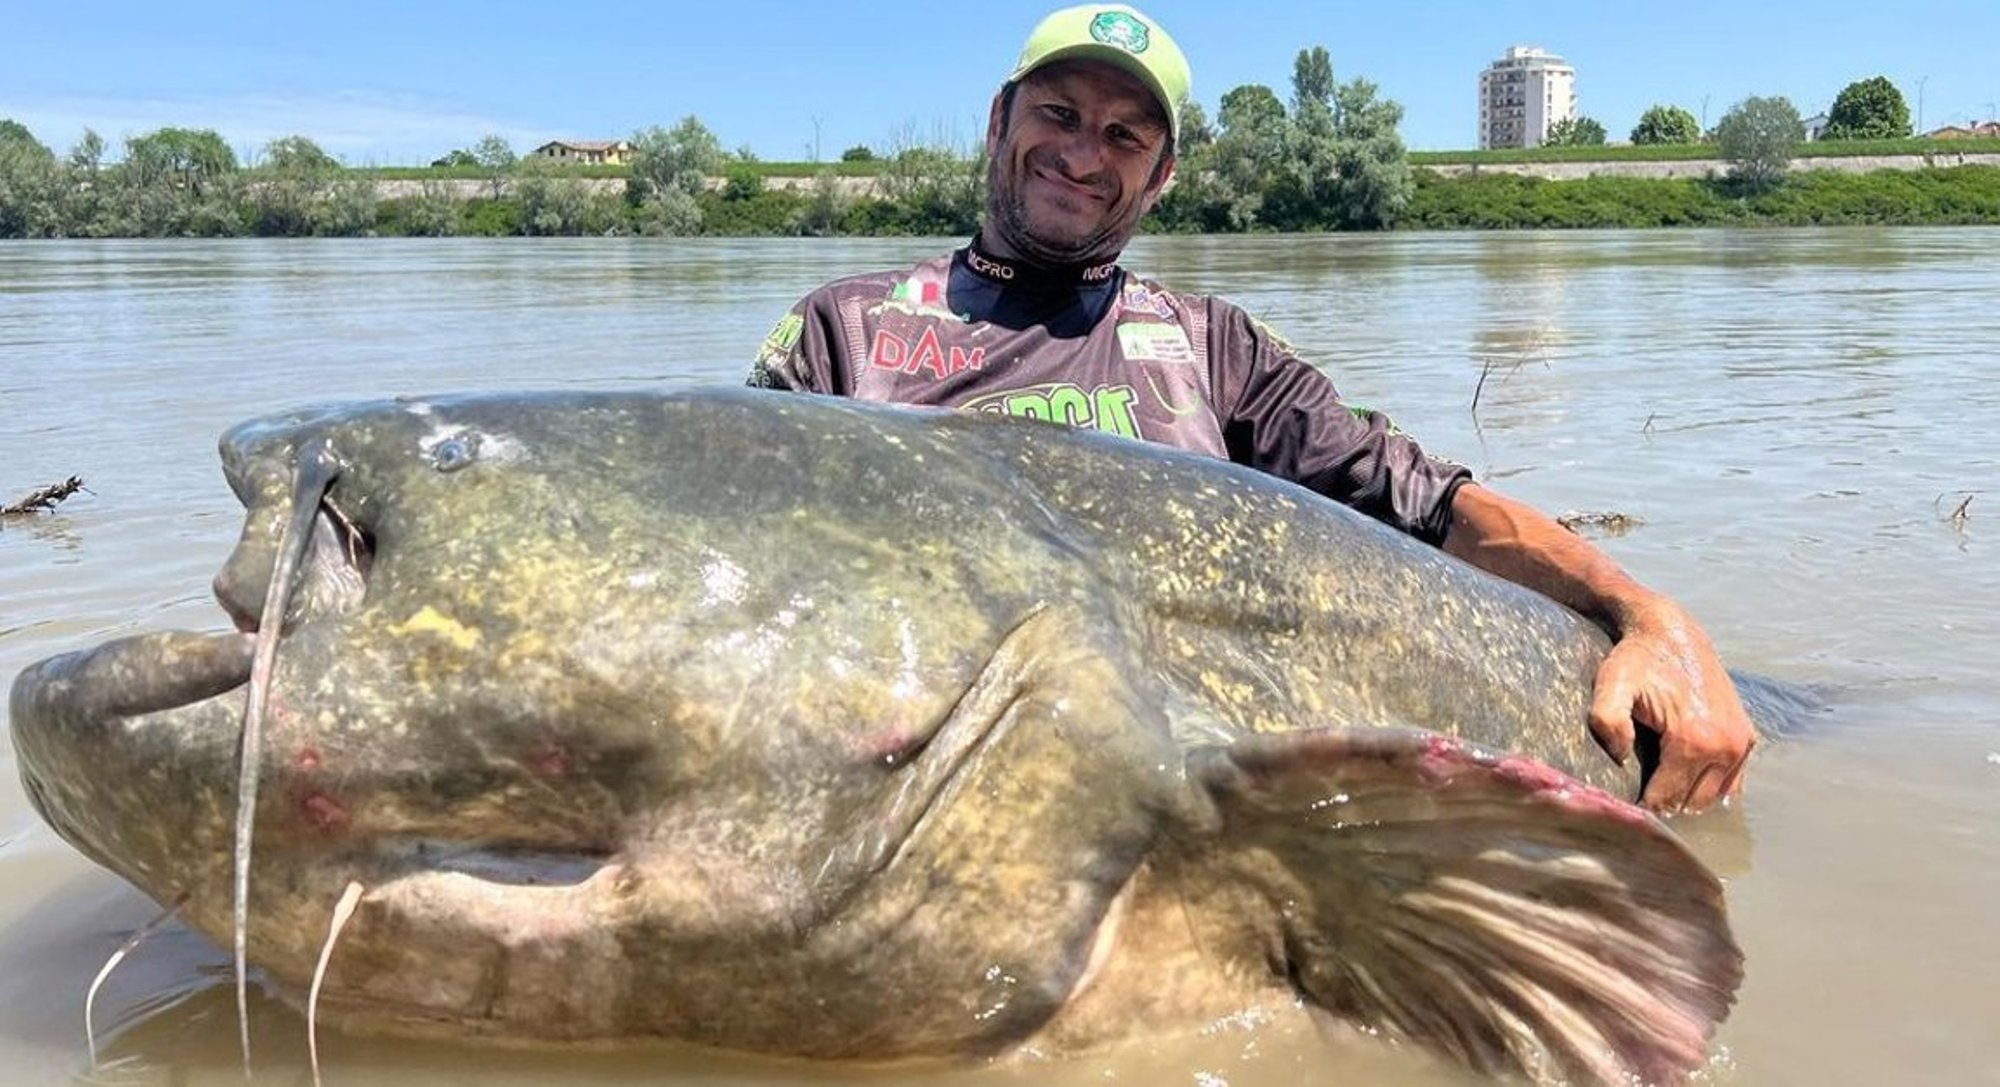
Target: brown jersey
1097, 347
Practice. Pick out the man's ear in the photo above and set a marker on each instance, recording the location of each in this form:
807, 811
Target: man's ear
996, 122
1163, 176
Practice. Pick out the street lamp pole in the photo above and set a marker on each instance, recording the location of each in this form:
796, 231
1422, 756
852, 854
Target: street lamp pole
1920, 103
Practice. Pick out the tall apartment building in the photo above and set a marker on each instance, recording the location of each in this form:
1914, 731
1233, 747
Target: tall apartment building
1521, 95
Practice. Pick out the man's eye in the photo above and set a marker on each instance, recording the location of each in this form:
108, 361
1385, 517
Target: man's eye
1121, 135
1062, 115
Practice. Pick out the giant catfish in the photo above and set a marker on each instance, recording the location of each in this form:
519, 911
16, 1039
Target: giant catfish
800, 726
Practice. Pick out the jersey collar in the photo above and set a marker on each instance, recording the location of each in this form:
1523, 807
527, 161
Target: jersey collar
1014, 273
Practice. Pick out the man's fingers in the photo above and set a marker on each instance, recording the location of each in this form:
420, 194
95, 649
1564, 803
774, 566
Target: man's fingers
1733, 784
1611, 718
1667, 790
1707, 788
1694, 782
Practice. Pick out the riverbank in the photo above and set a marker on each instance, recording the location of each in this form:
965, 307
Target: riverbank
858, 186
1931, 189
1495, 200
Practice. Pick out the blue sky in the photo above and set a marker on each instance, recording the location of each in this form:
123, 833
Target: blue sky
400, 83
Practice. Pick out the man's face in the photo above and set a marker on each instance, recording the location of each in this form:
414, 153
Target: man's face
1079, 157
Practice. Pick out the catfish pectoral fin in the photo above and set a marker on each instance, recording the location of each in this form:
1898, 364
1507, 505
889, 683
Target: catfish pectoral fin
1486, 906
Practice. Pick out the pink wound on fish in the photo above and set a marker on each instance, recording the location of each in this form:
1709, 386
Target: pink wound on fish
1442, 759
1571, 793
890, 747
550, 760
323, 812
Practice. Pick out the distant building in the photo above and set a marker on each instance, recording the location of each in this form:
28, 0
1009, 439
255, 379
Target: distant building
1978, 130
1815, 126
586, 152
1521, 95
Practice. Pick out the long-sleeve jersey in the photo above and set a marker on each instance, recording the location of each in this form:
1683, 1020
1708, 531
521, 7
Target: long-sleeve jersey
1097, 347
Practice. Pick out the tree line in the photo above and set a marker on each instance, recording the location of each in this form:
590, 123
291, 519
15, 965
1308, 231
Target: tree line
1330, 158
1866, 109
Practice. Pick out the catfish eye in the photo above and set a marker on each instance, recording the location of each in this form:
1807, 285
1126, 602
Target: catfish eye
454, 453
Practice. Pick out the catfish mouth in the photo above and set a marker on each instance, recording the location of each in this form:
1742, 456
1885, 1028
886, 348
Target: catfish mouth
331, 578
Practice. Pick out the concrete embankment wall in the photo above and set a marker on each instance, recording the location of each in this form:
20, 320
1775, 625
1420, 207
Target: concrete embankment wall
465, 189
468, 189
1572, 171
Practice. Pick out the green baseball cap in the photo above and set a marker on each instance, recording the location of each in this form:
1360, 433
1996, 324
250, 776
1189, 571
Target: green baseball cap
1116, 34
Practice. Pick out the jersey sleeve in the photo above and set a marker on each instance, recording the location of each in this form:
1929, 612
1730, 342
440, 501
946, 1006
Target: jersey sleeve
803, 351
1281, 415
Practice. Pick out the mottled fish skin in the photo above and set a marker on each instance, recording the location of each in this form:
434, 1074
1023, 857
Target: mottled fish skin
741, 717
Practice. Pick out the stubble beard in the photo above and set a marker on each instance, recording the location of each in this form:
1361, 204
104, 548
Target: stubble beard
1008, 215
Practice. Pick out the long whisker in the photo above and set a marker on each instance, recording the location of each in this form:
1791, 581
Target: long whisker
342, 910
314, 470
130, 945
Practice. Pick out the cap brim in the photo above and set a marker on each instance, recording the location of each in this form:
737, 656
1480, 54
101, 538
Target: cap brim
1118, 58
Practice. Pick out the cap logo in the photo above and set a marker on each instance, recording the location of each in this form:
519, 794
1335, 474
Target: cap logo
1119, 29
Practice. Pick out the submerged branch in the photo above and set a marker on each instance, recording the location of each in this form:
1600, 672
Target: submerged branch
44, 498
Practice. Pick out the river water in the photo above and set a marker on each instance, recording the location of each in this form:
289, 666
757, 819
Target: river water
1792, 417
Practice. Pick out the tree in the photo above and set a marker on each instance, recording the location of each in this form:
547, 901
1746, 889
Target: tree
16, 134
1243, 162
431, 213
495, 156
1575, 132
930, 187
680, 159
458, 156
1666, 124
1374, 164
820, 216
1757, 137
1344, 164
87, 157
176, 182
348, 208
30, 185
1195, 131
288, 195
298, 155
741, 181
858, 153
85, 204
1868, 109
553, 201
1312, 76
194, 159
670, 167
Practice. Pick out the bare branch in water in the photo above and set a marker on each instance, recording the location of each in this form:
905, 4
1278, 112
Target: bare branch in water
44, 498
1481, 387
1611, 524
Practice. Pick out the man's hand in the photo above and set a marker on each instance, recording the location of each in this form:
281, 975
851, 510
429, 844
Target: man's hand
1663, 675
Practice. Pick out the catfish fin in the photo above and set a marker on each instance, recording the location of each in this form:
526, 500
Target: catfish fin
1488, 907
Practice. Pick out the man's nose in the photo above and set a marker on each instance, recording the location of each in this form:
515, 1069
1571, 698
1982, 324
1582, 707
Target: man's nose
1081, 154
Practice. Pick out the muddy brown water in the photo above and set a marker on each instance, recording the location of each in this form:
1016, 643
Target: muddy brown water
1791, 418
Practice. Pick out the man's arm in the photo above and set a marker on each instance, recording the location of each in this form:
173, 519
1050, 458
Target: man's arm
1662, 673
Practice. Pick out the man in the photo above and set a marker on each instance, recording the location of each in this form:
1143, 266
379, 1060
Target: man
1035, 318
